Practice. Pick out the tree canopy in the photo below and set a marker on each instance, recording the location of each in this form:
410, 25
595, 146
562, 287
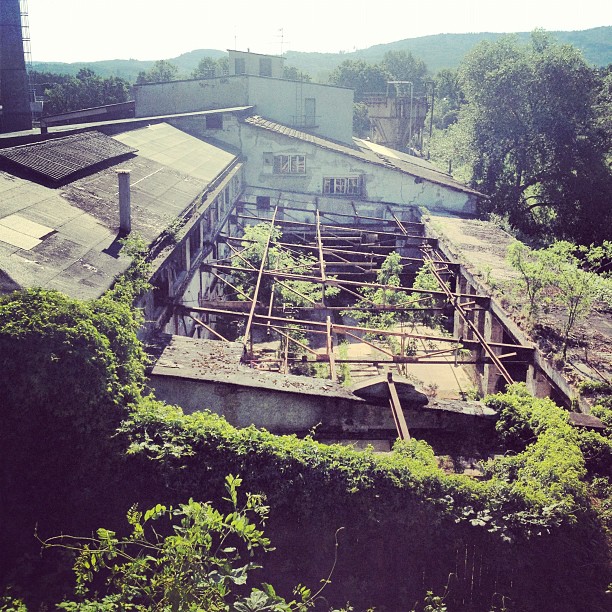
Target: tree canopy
367, 78
530, 139
161, 72
86, 90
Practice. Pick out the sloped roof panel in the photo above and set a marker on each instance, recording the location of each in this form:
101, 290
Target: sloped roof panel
59, 158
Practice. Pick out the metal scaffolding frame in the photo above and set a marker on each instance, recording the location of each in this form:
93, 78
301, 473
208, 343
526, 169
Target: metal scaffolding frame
339, 254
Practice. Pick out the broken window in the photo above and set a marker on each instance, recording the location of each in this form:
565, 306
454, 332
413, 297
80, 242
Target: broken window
289, 164
350, 185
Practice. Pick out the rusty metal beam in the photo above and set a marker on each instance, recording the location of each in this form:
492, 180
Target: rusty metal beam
207, 327
336, 282
361, 230
336, 214
377, 348
343, 328
247, 331
396, 410
463, 314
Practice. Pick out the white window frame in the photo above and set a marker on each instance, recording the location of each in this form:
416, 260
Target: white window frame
289, 164
342, 185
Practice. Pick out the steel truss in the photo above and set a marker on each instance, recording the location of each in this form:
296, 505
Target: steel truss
335, 266
340, 253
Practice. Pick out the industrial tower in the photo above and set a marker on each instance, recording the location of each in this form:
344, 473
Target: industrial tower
14, 88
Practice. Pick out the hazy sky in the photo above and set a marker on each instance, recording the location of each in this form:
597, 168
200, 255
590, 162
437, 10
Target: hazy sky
88, 30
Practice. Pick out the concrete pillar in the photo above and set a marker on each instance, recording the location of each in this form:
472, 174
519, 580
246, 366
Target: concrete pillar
469, 333
479, 321
493, 332
125, 206
458, 324
187, 254
537, 383
15, 98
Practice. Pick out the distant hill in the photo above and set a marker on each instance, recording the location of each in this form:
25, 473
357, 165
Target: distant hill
129, 69
437, 51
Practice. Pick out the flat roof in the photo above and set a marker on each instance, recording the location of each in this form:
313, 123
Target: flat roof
216, 361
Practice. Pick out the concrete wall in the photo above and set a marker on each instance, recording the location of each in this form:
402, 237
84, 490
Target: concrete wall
276, 99
253, 63
284, 413
189, 96
380, 184
286, 102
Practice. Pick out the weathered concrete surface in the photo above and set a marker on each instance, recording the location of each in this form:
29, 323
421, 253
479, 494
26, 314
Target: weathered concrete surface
207, 375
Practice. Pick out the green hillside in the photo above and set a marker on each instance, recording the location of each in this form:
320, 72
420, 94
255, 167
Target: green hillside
437, 51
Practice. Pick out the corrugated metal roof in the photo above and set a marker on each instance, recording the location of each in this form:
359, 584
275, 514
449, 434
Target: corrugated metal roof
60, 158
364, 152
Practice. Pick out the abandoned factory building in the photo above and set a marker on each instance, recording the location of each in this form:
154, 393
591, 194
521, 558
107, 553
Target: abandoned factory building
208, 171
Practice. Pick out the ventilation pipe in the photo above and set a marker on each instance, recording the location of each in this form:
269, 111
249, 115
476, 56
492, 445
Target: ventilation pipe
125, 206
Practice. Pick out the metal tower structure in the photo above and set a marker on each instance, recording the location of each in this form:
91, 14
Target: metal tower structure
14, 86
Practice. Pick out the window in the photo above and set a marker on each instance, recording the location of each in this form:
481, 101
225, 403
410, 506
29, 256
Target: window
289, 164
350, 185
310, 112
239, 65
214, 122
263, 202
265, 66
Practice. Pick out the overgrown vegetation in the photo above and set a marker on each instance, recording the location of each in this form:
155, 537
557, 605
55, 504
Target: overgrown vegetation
194, 558
82, 443
564, 275
388, 307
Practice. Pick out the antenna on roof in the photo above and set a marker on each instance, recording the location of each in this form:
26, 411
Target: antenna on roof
282, 39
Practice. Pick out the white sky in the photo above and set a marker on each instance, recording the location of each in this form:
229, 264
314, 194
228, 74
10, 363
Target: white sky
89, 30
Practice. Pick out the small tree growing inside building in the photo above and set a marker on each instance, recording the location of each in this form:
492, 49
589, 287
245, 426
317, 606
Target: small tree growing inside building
570, 276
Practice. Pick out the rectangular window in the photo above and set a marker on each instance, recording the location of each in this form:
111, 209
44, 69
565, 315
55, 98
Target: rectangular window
239, 65
342, 186
214, 122
265, 66
289, 164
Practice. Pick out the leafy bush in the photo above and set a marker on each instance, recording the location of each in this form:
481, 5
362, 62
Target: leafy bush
200, 561
68, 371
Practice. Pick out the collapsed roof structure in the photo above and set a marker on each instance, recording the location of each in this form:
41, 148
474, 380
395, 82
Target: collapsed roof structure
335, 206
